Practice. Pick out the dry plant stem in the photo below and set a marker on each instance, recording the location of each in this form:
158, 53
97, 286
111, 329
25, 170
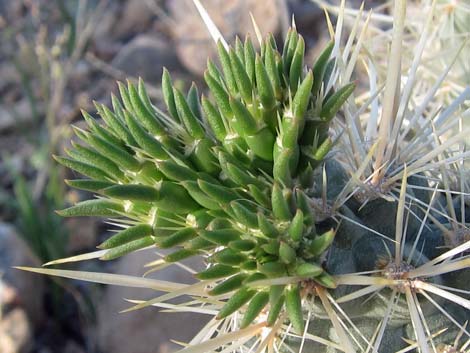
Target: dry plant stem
59, 85
391, 87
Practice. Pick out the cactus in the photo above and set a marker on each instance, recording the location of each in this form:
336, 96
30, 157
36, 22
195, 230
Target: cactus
313, 241
225, 171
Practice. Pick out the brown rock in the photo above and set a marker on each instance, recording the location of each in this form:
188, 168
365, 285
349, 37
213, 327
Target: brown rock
145, 56
16, 115
15, 332
146, 330
72, 347
135, 18
232, 17
24, 289
82, 234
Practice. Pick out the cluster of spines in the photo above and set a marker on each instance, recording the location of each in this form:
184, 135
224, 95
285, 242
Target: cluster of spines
222, 176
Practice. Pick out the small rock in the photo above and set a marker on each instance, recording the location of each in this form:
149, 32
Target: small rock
104, 27
15, 332
146, 330
135, 18
15, 116
193, 41
308, 15
145, 56
82, 234
72, 347
10, 76
26, 288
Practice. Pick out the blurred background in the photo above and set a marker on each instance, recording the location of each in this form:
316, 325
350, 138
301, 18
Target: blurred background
56, 58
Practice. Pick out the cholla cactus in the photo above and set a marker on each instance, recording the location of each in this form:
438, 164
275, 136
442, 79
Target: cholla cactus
296, 198
229, 181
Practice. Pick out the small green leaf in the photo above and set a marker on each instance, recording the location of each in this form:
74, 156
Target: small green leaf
262, 143
115, 123
303, 204
221, 236
259, 196
326, 280
175, 198
280, 205
272, 247
294, 308
82, 168
220, 194
125, 97
199, 243
302, 97
204, 158
228, 257
249, 56
297, 226
319, 245
133, 192
227, 69
144, 97
216, 271
149, 144
214, 71
263, 83
94, 208
320, 66
248, 265
127, 248
176, 238
239, 50
236, 301
243, 81
288, 52
115, 153
334, 103
176, 172
93, 158
282, 167
273, 269
191, 123
286, 253
256, 276
257, 303
193, 101
146, 116
295, 70
229, 285
308, 270
244, 215
214, 119
88, 184
180, 255
323, 149
168, 96
266, 227
242, 245
275, 293
273, 73
127, 235
199, 196
220, 95
103, 133
243, 122
275, 309
117, 107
